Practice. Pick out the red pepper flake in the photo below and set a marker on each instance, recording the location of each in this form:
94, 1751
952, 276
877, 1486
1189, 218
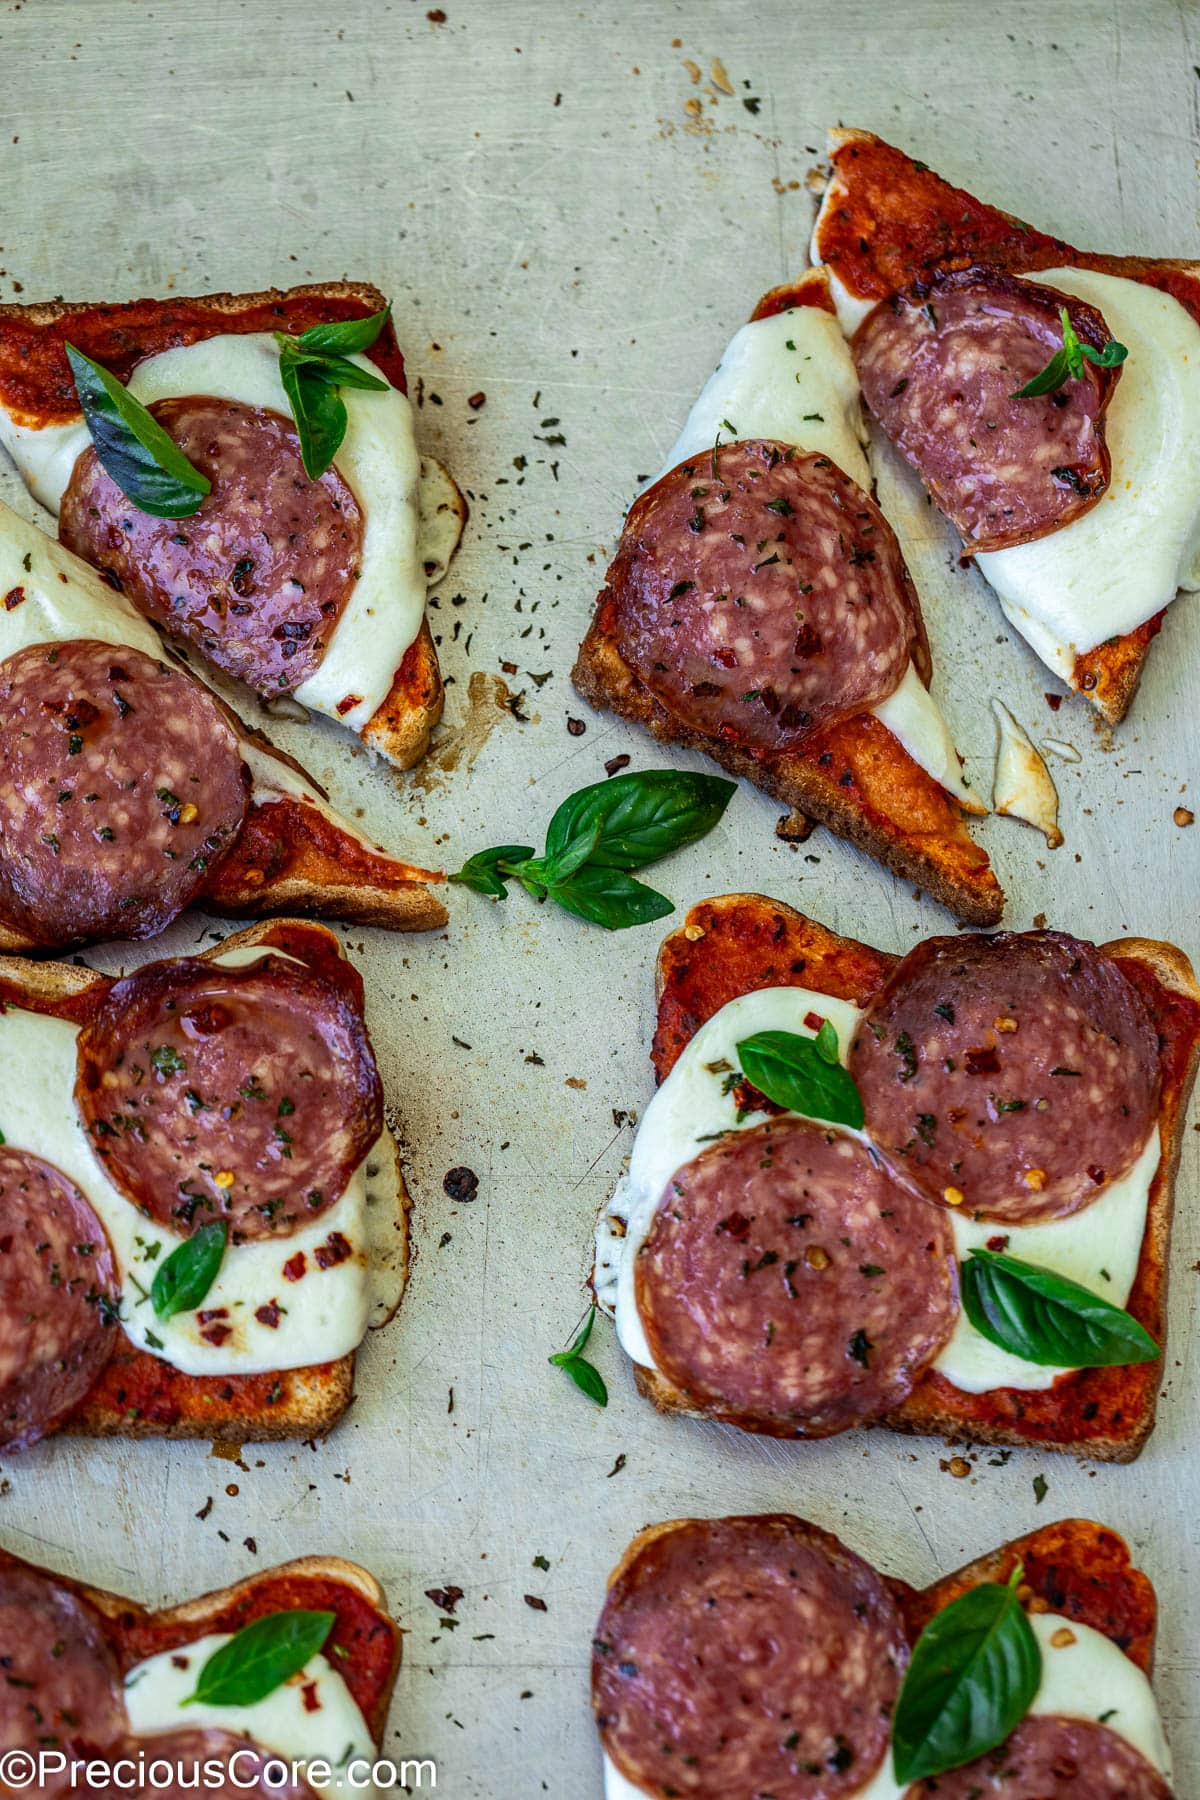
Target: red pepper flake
462, 1185
215, 1312
445, 1599
813, 1021
295, 1266
13, 599
536, 1603
983, 1062
615, 764
475, 401
269, 1314
1054, 701
216, 1335
347, 703
333, 1251
997, 1243
310, 1697
576, 727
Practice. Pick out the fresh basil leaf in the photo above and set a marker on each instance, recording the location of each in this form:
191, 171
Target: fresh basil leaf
610, 898
586, 1378
1111, 357
260, 1658
319, 412
145, 462
339, 371
974, 1672
181, 1282
1051, 377
1068, 362
1048, 1319
483, 871
642, 815
826, 1043
550, 870
792, 1071
344, 337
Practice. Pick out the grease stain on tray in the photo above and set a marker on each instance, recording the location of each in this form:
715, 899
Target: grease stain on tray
489, 700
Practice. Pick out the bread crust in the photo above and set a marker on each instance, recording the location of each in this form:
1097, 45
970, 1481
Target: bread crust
914, 828
401, 726
126, 1617
961, 230
928, 1410
304, 1402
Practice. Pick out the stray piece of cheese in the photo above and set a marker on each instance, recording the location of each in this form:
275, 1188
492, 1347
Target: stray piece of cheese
1023, 787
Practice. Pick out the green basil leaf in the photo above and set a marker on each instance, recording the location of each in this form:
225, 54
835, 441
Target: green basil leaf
549, 870
145, 462
792, 1071
1047, 1318
642, 815
974, 1672
587, 1379
181, 1282
584, 1333
1051, 377
1111, 357
610, 898
319, 412
826, 1043
339, 371
344, 337
260, 1658
482, 872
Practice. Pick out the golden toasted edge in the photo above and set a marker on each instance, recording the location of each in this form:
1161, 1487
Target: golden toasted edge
50, 312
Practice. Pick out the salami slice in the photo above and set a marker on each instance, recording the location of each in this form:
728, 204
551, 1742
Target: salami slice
60, 1688
249, 1095
790, 1285
760, 593
58, 1297
122, 786
178, 1765
1015, 1075
1052, 1759
738, 1658
258, 577
940, 366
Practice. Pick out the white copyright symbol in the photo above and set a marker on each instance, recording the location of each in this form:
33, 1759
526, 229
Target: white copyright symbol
18, 1769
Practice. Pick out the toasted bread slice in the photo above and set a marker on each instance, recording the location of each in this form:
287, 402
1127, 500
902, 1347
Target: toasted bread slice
366, 1642
737, 943
1075, 1567
139, 1395
853, 775
37, 389
295, 852
887, 221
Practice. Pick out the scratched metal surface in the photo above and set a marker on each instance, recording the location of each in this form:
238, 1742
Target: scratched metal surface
560, 233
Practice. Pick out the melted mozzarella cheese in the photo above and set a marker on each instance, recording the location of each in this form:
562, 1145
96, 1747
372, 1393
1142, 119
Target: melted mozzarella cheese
1116, 565
790, 377
1084, 1676
311, 1718
323, 1315
377, 459
1099, 1247
1023, 787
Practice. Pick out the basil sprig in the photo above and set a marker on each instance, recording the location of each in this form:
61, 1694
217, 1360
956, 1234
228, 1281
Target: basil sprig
1067, 363
260, 1658
313, 367
597, 836
803, 1074
587, 1379
974, 1673
145, 462
182, 1281
1047, 1318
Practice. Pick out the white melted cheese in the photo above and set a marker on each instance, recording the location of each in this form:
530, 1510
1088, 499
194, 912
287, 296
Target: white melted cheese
1084, 1676
790, 377
324, 1315
1099, 1247
377, 459
1023, 787
311, 1718
1116, 565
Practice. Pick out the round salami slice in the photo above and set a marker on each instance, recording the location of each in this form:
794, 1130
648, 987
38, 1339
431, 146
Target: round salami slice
737, 1658
790, 1285
249, 1095
940, 367
1015, 1075
122, 786
760, 593
1052, 1759
58, 1297
258, 577
60, 1687
178, 1765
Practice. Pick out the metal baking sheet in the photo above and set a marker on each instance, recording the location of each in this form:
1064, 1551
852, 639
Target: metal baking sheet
574, 207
